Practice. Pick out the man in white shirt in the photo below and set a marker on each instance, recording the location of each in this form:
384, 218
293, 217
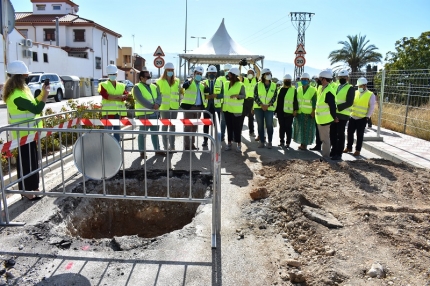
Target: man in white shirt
362, 110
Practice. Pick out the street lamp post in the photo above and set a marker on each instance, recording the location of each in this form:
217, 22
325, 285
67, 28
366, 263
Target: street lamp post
193, 37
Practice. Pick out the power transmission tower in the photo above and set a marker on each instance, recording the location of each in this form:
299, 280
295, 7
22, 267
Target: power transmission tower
301, 21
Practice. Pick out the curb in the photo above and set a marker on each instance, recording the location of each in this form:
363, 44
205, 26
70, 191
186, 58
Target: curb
389, 156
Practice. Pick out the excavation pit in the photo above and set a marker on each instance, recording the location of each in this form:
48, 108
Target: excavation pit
107, 218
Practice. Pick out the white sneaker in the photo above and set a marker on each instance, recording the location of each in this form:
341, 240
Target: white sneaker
227, 147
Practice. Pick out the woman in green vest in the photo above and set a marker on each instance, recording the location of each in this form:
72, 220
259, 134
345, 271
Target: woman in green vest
265, 95
234, 94
304, 123
168, 84
22, 106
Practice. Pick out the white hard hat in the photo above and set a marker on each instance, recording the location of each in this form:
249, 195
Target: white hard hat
169, 66
326, 74
305, 75
265, 71
279, 82
199, 69
111, 69
212, 69
234, 71
17, 67
287, 76
343, 73
361, 81
227, 67
251, 70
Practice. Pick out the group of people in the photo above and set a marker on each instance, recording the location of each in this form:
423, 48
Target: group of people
317, 108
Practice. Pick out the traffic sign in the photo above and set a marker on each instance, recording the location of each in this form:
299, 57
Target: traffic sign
159, 62
159, 52
300, 50
299, 61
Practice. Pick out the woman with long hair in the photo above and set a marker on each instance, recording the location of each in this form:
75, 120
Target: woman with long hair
234, 95
23, 107
168, 84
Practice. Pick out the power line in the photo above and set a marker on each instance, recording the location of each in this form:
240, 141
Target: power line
266, 36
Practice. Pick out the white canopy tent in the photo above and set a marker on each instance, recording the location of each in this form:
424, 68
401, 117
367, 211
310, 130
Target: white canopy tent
220, 49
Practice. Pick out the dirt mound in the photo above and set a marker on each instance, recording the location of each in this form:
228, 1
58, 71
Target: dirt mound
341, 218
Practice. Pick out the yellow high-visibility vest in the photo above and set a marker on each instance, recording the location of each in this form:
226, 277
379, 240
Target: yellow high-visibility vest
322, 112
266, 96
113, 104
361, 104
249, 86
146, 95
15, 115
341, 98
232, 105
169, 94
289, 100
190, 95
217, 90
305, 100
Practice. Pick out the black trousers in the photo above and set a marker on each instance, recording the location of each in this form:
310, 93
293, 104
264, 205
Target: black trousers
318, 141
212, 110
337, 137
285, 127
29, 158
234, 126
247, 111
356, 125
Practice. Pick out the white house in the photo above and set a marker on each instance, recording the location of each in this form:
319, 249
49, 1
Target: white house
80, 47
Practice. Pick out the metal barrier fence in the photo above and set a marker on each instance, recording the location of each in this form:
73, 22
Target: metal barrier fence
55, 148
403, 97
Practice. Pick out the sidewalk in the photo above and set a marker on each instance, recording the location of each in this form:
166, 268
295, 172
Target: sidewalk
398, 147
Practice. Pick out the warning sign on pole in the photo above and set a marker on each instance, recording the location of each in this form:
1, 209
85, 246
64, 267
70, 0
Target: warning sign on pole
159, 52
299, 61
300, 50
159, 62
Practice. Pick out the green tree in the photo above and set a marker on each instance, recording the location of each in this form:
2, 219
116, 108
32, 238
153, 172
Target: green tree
356, 52
410, 53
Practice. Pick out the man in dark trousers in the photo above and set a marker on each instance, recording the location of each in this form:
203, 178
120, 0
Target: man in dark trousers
286, 109
344, 99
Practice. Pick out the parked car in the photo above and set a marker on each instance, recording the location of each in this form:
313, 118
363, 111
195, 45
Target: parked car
128, 84
36, 80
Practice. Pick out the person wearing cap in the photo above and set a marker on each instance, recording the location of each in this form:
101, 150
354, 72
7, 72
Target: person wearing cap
304, 123
265, 94
193, 100
362, 110
325, 111
344, 99
214, 93
23, 106
147, 98
250, 81
114, 95
168, 85
287, 107
234, 95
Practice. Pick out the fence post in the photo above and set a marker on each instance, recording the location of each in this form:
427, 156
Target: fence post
381, 99
407, 108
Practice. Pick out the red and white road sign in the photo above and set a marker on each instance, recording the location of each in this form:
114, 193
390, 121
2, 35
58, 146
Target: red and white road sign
299, 61
159, 62
159, 52
300, 50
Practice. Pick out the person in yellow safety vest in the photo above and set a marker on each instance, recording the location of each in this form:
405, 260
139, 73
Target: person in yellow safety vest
278, 85
250, 81
318, 142
287, 107
325, 112
304, 122
362, 110
298, 83
147, 99
224, 77
265, 95
234, 95
214, 94
193, 100
22, 106
344, 99
113, 98
168, 85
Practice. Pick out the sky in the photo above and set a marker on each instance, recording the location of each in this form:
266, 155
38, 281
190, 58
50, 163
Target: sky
262, 27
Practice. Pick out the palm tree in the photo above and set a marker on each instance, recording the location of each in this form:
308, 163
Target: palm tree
356, 53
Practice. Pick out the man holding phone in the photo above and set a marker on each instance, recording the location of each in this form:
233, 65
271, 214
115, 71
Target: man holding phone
114, 96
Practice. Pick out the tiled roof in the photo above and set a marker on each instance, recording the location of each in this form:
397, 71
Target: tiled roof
22, 18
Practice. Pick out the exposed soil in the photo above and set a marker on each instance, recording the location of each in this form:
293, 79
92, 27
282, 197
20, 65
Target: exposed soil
383, 207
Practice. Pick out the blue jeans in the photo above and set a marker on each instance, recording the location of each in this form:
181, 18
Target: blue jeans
141, 139
264, 117
117, 127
